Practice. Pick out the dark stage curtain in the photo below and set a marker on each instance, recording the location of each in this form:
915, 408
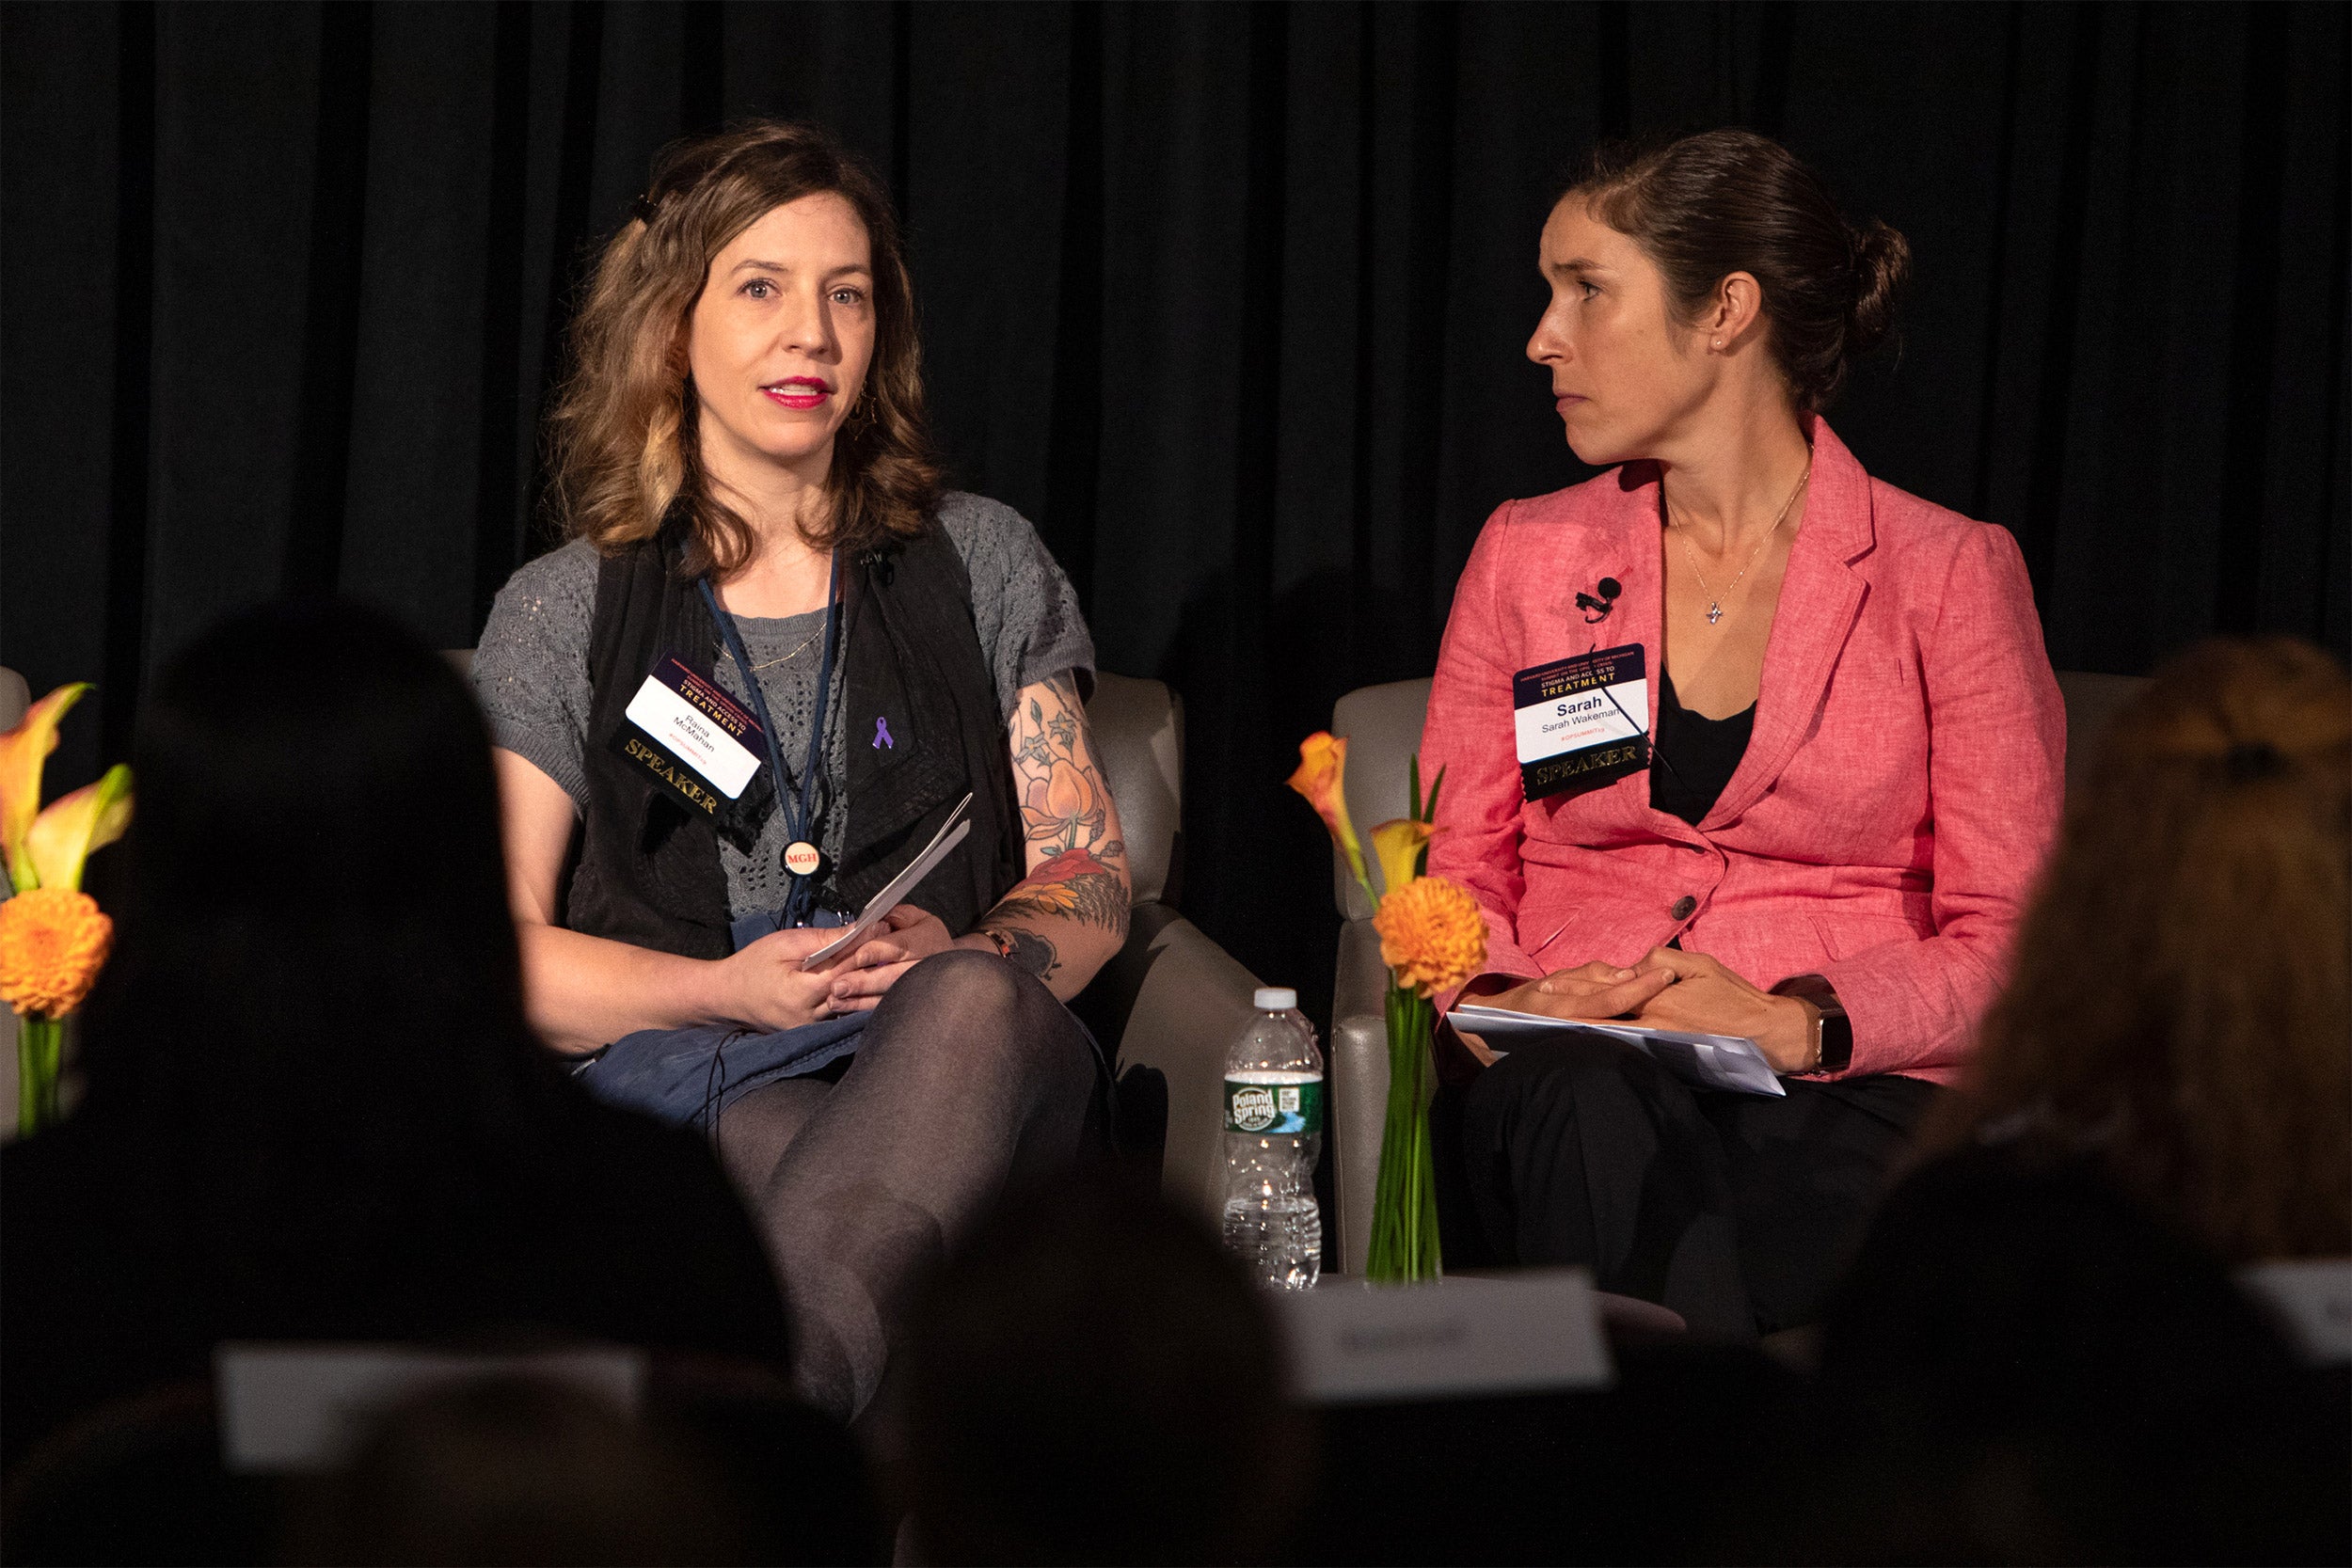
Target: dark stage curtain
1230, 300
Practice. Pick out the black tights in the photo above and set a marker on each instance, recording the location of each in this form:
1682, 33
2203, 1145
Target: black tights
969, 1078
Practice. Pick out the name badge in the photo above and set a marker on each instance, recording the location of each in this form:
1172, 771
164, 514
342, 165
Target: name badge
1581, 722
694, 740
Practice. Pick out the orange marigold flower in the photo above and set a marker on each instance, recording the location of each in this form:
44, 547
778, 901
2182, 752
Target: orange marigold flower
53, 942
1432, 935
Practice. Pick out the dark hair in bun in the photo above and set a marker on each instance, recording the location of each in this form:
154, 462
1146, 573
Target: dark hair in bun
1727, 202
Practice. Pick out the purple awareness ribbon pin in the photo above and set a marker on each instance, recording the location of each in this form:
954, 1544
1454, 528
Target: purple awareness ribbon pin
881, 735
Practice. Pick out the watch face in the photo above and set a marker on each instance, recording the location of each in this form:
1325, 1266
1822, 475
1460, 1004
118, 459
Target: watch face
1836, 1041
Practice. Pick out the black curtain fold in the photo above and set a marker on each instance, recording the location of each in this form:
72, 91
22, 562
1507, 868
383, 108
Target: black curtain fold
1230, 300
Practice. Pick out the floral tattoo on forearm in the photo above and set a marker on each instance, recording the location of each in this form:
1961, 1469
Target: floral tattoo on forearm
1066, 815
1064, 805
1073, 885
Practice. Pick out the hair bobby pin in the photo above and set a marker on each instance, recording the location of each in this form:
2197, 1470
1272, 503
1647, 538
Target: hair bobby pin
2251, 759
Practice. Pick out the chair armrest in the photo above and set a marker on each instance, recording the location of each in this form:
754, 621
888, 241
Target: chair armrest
1189, 1001
1360, 1086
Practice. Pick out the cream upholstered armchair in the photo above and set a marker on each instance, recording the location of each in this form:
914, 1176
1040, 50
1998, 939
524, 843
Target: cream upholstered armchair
1382, 726
1167, 1006
1172, 1002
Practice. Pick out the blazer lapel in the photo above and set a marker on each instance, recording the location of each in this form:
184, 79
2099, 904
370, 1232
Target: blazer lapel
1629, 553
1819, 596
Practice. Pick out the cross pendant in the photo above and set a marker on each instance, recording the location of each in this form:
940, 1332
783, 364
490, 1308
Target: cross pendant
1714, 613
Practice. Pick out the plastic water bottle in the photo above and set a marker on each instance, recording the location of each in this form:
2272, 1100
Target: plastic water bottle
1273, 1136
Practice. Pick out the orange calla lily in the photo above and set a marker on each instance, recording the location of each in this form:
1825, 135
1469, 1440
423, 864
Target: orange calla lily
1397, 846
1322, 778
23, 750
90, 818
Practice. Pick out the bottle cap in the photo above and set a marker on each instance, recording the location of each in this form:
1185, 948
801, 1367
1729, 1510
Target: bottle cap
1274, 999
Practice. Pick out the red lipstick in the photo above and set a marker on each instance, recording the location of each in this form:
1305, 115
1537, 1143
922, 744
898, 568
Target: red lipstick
799, 391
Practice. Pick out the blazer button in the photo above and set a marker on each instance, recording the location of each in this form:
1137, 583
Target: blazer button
1683, 906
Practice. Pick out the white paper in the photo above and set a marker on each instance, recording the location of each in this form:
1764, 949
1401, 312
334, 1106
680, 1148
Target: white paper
1705, 1061
951, 832
1531, 1331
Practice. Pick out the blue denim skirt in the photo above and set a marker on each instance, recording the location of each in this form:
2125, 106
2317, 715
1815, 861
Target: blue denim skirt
689, 1076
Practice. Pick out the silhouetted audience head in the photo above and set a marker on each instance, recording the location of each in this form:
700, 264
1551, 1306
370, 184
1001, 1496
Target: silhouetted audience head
2178, 1014
2027, 1365
316, 998
516, 1470
1095, 1381
2040, 1354
315, 849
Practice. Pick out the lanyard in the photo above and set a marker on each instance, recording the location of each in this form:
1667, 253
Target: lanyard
798, 902
1638, 728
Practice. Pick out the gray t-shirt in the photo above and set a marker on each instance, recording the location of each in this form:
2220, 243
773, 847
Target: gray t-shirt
531, 669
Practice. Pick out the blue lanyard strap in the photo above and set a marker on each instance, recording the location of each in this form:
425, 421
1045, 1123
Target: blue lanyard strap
796, 821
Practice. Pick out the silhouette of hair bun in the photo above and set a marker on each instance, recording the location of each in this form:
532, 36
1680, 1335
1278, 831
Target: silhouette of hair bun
1882, 265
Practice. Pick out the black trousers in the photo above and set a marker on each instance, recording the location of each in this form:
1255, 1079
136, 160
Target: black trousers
1736, 1210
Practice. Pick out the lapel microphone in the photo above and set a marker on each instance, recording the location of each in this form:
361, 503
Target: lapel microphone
1596, 611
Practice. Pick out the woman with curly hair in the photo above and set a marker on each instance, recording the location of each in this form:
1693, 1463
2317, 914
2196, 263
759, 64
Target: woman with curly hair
769, 663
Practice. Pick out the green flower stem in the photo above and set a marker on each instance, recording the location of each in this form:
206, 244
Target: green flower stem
1404, 1242
38, 1045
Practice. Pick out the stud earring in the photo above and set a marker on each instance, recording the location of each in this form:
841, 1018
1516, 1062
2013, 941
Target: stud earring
1719, 342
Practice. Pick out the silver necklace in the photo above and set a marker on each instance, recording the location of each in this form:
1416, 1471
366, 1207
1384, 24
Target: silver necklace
1714, 602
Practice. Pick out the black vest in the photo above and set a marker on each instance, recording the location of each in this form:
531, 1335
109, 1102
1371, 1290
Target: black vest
649, 872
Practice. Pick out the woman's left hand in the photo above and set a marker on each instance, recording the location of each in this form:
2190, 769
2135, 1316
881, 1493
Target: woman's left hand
909, 935
1709, 999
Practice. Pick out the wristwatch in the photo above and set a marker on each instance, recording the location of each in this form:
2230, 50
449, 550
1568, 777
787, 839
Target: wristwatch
1836, 1030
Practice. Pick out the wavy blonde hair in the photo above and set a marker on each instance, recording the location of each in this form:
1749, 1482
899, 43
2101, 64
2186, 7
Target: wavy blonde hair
623, 453
2179, 1011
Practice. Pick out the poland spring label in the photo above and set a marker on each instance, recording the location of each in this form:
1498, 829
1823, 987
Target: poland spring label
1274, 1104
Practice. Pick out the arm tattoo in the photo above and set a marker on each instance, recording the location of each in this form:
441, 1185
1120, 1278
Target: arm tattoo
1067, 820
1030, 951
1064, 801
1073, 885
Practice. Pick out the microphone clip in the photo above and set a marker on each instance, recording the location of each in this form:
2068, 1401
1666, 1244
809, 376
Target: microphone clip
1597, 609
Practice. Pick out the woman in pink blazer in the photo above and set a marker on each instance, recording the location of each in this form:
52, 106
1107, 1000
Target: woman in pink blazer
1800, 795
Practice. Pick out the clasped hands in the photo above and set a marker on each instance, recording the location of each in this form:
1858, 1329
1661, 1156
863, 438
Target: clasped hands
1670, 989
764, 987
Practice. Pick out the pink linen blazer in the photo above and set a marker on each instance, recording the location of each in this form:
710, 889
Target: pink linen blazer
1898, 797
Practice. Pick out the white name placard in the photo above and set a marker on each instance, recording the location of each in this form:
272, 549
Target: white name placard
1534, 1332
305, 1407
2310, 1301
